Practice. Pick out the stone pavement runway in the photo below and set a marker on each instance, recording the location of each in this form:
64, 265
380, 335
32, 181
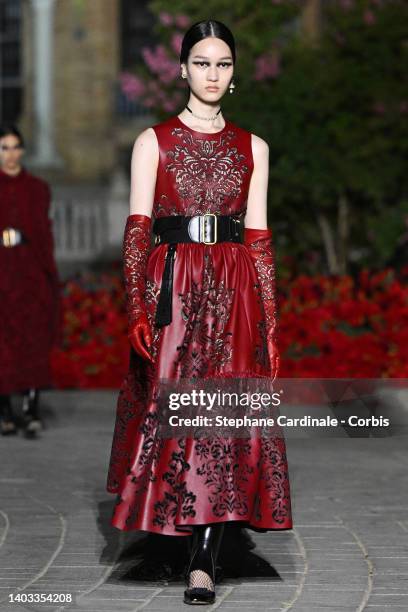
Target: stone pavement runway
348, 550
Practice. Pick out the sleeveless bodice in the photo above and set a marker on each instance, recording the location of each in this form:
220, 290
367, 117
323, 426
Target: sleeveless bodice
199, 172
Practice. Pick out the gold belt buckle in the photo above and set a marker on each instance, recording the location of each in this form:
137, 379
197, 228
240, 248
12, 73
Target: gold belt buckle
9, 237
203, 227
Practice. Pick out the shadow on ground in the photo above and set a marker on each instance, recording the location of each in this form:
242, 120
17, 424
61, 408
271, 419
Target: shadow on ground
157, 558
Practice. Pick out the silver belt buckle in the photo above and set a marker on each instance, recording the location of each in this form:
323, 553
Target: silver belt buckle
198, 226
11, 237
203, 228
193, 228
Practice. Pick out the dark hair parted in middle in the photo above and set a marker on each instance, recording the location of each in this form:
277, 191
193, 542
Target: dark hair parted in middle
204, 29
11, 130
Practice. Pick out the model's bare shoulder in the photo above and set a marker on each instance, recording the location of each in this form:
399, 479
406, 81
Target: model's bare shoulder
260, 147
145, 148
147, 140
145, 159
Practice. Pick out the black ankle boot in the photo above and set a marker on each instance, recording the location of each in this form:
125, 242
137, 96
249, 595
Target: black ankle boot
204, 552
7, 422
32, 421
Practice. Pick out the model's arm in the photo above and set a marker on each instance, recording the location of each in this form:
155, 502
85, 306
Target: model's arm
258, 239
256, 215
136, 241
145, 158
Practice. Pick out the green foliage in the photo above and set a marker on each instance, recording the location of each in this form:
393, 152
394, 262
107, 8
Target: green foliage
334, 117
387, 227
339, 127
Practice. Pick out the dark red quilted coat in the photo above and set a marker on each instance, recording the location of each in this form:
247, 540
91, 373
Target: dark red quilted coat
29, 286
166, 485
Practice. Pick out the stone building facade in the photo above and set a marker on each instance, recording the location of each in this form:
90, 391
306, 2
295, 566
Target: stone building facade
71, 53
60, 62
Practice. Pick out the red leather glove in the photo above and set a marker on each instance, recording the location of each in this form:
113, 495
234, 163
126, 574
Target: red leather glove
260, 246
136, 245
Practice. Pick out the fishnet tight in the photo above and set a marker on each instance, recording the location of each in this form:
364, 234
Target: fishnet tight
200, 579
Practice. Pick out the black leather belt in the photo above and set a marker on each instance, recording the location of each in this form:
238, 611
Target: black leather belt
11, 237
208, 228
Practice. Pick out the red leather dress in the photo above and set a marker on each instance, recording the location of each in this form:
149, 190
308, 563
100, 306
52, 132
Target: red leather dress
217, 330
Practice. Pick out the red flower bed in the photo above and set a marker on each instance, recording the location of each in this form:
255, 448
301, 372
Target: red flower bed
95, 349
330, 327
338, 327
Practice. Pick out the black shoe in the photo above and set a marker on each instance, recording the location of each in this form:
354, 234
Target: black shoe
205, 547
31, 421
31, 426
8, 425
199, 595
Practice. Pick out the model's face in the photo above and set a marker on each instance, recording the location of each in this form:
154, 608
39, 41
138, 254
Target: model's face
209, 66
11, 153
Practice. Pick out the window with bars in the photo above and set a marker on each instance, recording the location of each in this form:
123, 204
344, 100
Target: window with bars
136, 32
11, 89
137, 23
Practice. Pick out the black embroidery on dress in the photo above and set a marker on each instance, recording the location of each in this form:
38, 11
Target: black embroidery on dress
129, 408
225, 469
151, 300
206, 310
146, 468
208, 172
163, 208
166, 508
261, 354
275, 475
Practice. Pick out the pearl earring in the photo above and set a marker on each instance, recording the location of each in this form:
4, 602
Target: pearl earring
231, 87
